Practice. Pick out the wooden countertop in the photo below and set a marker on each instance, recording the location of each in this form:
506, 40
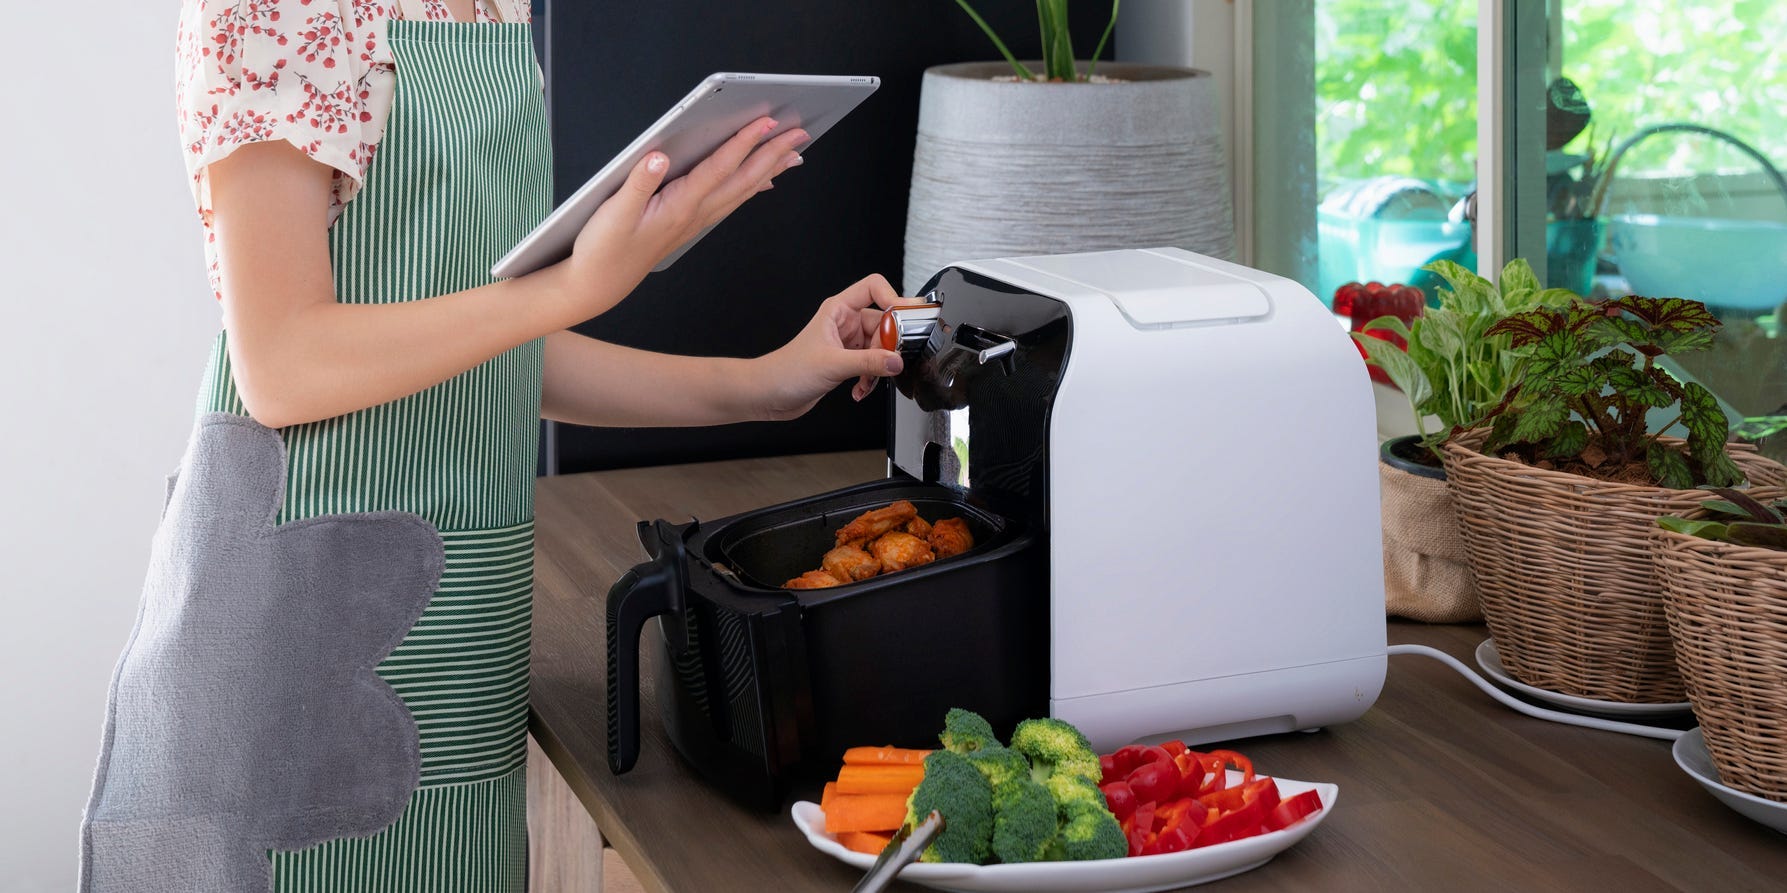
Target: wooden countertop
1441, 788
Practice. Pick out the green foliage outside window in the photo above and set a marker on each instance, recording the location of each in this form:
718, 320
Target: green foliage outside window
1396, 82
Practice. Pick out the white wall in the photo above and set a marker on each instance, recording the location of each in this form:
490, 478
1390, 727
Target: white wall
107, 318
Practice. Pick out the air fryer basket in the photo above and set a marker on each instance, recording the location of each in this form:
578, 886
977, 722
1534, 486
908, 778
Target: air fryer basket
775, 545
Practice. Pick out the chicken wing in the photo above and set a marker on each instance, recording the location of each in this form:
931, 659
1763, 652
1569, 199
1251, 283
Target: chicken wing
918, 527
873, 523
950, 536
898, 550
812, 580
850, 563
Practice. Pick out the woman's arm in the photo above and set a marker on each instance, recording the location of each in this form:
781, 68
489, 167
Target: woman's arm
590, 382
300, 356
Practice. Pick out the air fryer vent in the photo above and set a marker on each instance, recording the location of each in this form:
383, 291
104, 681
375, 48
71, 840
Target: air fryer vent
746, 723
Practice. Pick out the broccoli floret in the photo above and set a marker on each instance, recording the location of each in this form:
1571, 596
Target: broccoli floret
1024, 820
955, 788
1053, 747
965, 731
1070, 789
1000, 765
1090, 832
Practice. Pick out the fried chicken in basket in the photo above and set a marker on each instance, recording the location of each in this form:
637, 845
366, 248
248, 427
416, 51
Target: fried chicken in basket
882, 541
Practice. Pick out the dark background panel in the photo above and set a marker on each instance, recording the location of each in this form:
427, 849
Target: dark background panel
750, 285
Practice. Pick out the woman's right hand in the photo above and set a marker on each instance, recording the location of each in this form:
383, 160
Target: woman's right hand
640, 225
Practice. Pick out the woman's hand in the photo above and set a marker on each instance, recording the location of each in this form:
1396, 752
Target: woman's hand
640, 225
837, 345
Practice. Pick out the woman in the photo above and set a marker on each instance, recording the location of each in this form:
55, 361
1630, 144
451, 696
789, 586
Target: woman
327, 685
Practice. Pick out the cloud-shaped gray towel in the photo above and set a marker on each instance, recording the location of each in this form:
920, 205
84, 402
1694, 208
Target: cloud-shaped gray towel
245, 714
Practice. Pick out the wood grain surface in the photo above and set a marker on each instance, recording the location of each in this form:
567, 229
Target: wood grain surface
1441, 788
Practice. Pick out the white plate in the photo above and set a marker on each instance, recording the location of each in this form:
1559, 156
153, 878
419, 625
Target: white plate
1491, 662
1138, 874
1691, 755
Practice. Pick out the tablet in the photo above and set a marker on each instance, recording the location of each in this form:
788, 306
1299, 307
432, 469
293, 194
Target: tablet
712, 113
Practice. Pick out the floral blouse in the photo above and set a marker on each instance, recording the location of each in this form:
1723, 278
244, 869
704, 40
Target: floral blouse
315, 73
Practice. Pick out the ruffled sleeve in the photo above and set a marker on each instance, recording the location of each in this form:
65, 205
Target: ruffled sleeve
261, 70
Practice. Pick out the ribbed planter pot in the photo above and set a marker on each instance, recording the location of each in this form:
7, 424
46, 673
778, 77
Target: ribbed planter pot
1565, 566
1006, 168
1727, 608
1427, 572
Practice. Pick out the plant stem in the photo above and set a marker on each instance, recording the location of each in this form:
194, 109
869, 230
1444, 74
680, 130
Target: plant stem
1023, 72
1093, 65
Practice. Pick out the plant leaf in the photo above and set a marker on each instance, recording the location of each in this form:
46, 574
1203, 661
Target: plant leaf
1470, 293
1568, 442
1707, 430
1525, 328
1517, 275
1745, 504
1540, 420
1669, 467
1403, 370
1092, 65
1669, 314
1556, 298
1023, 73
1711, 530
1747, 533
1439, 332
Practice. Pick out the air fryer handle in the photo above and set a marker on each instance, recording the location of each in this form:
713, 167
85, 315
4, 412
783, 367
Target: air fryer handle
639, 595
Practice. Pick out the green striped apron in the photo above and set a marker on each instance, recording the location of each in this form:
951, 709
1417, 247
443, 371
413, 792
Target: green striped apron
462, 173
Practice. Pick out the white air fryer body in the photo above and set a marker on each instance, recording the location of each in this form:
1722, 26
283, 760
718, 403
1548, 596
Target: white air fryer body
1215, 551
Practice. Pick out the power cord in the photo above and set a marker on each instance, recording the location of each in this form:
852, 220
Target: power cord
1591, 722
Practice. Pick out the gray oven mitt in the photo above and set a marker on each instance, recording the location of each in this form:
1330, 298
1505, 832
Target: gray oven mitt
245, 714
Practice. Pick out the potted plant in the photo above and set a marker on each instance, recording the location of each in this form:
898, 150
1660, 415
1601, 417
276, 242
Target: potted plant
1059, 155
1454, 371
1558, 495
1724, 572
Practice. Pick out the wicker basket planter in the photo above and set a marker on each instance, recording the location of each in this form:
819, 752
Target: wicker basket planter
1727, 610
1565, 571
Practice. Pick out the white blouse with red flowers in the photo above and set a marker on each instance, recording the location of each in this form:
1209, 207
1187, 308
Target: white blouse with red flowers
315, 73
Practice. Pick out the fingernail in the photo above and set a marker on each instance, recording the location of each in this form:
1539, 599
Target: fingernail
802, 138
895, 364
769, 124
656, 164
796, 159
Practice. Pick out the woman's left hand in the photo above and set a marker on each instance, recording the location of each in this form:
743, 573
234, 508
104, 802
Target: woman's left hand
837, 345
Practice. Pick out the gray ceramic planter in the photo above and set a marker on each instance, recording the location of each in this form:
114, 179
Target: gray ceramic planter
1007, 168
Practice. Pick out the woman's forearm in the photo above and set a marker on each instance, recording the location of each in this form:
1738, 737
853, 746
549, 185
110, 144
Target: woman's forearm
591, 382
322, 359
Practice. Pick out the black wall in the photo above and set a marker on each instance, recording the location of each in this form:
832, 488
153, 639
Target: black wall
751, 284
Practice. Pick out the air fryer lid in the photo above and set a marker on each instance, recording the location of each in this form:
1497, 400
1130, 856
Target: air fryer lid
767, 547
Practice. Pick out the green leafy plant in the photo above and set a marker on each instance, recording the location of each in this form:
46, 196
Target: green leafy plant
1057, 43
1589, 376
1739, 519
1454, 369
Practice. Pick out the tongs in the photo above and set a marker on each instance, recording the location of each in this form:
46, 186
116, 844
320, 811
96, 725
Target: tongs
904, 849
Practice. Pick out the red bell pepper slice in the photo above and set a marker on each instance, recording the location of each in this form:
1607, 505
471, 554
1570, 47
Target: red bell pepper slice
1242, 812
1155, 781
1119, 798
1107, 766
1292, 810
1173, 748
1191, 773
1139, 828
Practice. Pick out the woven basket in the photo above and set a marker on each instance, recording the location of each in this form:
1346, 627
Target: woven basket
1727, 608
1564, 568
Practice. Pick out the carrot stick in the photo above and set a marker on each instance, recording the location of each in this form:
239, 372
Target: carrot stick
831, 790
869, 756
865, 841
865, 812
888, 779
